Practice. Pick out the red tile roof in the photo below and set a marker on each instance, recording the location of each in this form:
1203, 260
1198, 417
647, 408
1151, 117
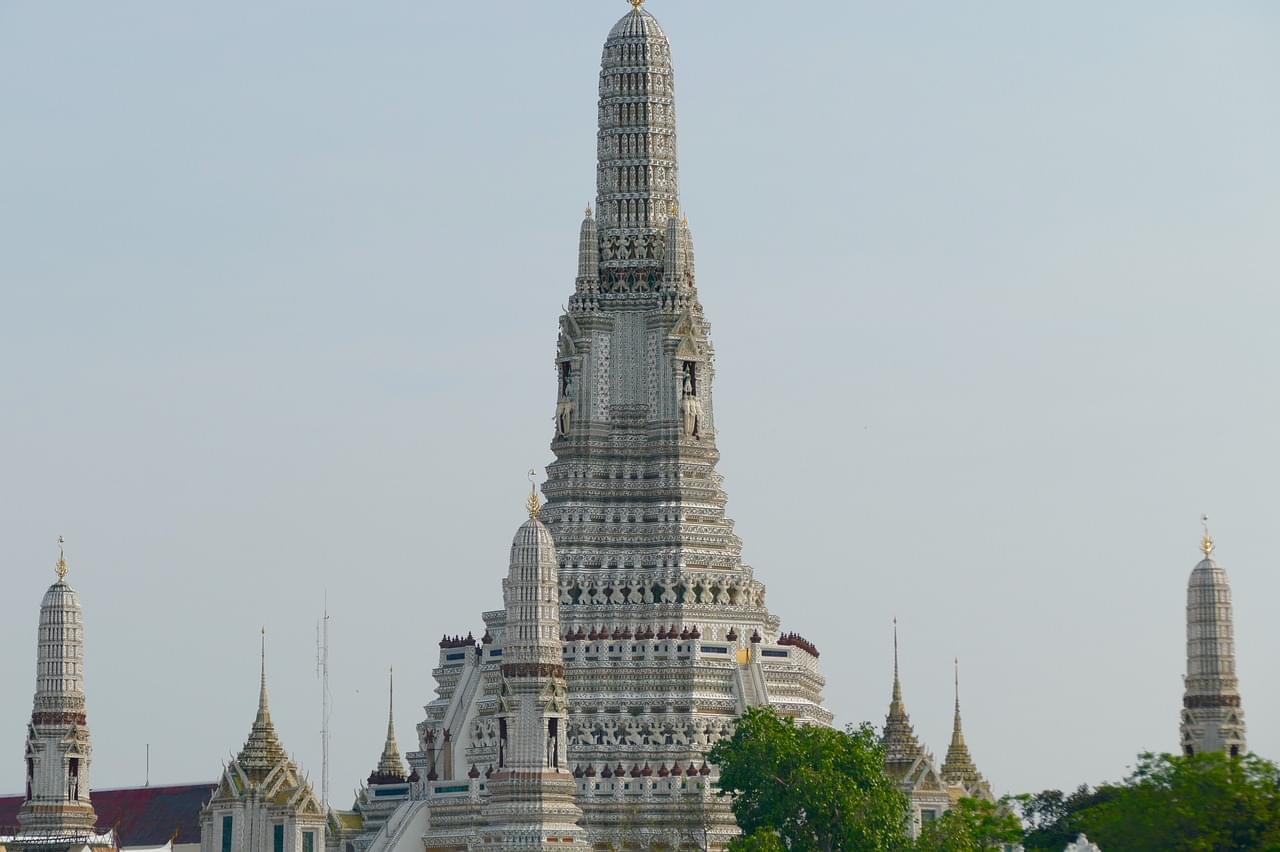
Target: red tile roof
144, 816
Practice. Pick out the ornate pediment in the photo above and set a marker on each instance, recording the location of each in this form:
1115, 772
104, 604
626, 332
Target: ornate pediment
686, 326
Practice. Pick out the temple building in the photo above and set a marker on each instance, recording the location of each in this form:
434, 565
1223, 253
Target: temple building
1212, 718
907, 762
665, 637
262, 802
56, 810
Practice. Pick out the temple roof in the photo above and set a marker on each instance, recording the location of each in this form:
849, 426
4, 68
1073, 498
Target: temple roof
263, 768
637, 24
262, 752
142, 816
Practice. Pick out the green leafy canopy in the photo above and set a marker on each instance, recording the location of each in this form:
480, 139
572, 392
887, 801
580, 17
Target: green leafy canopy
809, 788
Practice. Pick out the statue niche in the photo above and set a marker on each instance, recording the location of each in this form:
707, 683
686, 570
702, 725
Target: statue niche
564, 404
690, 407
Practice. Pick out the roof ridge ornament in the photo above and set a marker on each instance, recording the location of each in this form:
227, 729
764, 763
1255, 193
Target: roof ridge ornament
1206, 542
61, 567
534, 505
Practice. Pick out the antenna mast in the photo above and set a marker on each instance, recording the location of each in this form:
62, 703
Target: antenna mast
322, 672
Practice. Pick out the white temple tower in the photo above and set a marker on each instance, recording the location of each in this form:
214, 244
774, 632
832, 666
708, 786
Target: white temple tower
665, 637
531, 804
1212, 718
58, 748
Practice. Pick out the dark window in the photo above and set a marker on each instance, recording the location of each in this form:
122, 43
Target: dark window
277, 838
226, 833
308, 841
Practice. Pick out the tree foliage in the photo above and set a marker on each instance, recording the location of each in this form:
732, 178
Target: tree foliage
1052, 816
1170, 803
971, 826
808, 788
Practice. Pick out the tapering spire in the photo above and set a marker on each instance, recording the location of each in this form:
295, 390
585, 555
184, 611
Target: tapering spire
959, 767
262, 752
390, 766
901, 745
897, 683
588, 250
391, 705
957, 677
264, 711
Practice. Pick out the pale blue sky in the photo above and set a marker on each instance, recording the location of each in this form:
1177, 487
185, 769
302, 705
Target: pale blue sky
993, 289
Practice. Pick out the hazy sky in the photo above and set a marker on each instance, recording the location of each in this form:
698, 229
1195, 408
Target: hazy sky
993, 290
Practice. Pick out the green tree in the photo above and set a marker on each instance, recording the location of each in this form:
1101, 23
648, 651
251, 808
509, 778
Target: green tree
1197, 804
971, 826
1052, 816
760, 841
808, 788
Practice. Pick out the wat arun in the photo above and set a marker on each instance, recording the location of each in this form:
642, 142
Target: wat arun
662, 630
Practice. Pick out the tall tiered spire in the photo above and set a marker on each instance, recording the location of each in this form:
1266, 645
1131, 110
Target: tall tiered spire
262, 751
902, 748
58, 745
637, 182
1212, 717
959, 769
390, 766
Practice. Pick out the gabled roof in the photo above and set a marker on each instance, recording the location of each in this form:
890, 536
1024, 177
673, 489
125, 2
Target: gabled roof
264, 767
146, 816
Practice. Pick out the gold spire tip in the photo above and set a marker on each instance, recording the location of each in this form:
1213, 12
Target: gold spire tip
1206, 542
636, 4
61, 567
534, 505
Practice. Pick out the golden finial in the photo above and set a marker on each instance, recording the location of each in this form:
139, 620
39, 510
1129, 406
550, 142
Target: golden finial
61, 567
590, 212
675, 209
636, 4
534, 505
1206, 543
